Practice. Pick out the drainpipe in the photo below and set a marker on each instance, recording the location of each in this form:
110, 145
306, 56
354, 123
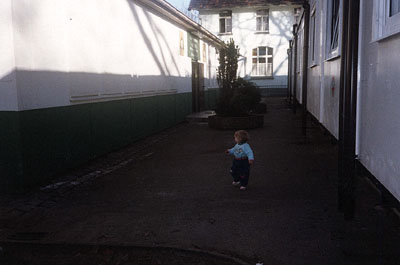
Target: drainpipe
306, 7
347, 108
295, 68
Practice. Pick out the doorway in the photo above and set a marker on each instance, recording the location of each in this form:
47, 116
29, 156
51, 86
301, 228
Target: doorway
198, 100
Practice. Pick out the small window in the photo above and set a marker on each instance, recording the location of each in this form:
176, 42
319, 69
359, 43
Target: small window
312, 37
333, 28
262, 20
394, 7
334, 25
225, 22
262, 62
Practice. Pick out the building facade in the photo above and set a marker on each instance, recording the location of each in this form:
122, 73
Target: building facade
80, 79
376, 83
261, 29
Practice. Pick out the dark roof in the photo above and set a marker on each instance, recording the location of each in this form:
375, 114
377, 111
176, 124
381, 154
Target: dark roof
210, 4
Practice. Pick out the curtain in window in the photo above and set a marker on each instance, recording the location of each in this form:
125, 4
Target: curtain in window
225, 22
262, 61
262, 20
229, 24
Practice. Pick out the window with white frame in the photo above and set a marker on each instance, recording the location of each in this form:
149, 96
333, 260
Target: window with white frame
262, 20
313, 37
386, 18
262, 61
333, 28
225, 21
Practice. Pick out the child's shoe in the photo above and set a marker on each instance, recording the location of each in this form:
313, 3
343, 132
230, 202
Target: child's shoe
242, 188
236, 183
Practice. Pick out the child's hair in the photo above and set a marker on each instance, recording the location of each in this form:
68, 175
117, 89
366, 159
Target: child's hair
242, 135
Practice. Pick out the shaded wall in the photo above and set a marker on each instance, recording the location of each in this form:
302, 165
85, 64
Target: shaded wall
379, 112
323, 75
42, 142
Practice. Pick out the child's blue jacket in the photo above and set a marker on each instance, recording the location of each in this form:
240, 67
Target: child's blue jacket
242, 151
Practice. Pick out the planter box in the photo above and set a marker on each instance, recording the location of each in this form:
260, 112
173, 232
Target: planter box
236, 123
261, 108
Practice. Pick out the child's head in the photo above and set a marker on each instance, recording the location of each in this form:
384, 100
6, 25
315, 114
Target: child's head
241, 136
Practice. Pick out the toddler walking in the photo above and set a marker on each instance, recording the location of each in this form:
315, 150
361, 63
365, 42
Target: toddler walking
243, 158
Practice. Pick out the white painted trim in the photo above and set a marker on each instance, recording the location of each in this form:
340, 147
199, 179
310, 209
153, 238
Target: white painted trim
359, 76
126, 95
330, 55
385, 26
322, 51
175, 15
313, 37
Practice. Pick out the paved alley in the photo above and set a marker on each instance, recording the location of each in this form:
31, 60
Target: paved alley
177, 192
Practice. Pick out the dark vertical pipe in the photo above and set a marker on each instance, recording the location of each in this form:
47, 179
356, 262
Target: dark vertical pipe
306, 7
288, 76
341, 194
289, 73
347, 108
295, 68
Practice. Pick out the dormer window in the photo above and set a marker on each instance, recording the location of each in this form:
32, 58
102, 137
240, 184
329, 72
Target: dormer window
262, 20
225, 22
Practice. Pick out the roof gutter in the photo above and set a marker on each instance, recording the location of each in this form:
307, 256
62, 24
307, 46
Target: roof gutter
166, 9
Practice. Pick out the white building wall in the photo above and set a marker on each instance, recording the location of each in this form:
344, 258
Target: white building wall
8, 92
379, 113
323, 76
331, 96
281, 19
314, 68
379, 129
68, 52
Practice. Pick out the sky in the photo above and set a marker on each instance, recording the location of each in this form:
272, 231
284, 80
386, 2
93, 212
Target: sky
180, 3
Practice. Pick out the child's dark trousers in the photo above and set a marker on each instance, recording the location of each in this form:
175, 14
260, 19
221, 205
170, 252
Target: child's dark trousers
240, 171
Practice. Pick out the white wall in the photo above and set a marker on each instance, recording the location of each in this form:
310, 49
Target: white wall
210, 65
379, 128
379, 113
8, 92
74, 51
323, 76
243, 32
314, 78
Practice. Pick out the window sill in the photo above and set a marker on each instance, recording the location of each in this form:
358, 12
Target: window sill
332, 57
312, 65
386, 36
225, 34
261, 32
261, 77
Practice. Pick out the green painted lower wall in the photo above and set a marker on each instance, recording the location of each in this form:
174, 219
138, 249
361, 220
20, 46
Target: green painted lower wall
10, 150
37, 144
211, 99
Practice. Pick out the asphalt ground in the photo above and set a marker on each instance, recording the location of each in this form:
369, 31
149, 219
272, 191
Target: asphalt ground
171, 194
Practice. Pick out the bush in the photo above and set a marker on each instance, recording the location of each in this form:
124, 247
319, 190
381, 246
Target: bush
227, 72
245, 98
237, 97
